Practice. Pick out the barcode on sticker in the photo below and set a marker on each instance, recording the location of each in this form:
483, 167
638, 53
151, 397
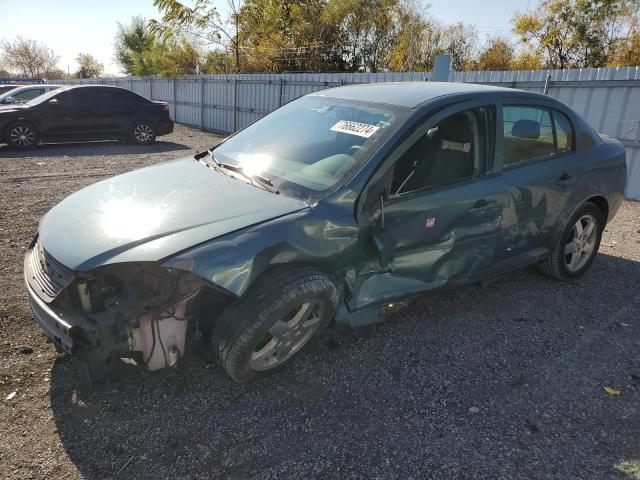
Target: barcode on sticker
354, 128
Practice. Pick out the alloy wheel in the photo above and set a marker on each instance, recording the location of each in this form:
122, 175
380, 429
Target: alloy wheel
581, 243
286, 337
22, 136
143, 132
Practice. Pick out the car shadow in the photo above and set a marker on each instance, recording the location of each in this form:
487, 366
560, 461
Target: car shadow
88, 149
393, 400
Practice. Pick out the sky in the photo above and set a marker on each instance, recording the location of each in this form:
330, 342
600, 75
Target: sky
70, 27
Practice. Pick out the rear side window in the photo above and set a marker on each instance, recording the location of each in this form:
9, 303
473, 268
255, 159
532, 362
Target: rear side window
109, 98
528, 134
129, 97
564, 132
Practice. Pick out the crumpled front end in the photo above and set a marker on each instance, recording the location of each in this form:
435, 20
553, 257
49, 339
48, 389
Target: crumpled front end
117, 315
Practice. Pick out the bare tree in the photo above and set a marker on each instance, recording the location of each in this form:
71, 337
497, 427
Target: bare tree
29, 58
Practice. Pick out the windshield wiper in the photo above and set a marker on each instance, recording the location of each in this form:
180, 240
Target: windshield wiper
256, 180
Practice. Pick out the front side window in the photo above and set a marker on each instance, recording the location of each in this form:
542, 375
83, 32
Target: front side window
528, 134
311, 145
450, 152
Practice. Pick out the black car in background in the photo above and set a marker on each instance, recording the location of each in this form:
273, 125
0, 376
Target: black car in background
83, 113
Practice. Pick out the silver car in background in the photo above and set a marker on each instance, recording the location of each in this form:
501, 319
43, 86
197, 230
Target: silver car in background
25, 93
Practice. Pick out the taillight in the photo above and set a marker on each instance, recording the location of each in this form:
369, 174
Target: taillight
165, 107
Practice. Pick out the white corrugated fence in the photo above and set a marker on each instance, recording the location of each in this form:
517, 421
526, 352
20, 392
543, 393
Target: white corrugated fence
608, 98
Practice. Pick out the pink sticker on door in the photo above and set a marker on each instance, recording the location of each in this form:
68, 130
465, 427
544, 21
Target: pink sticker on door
431, 221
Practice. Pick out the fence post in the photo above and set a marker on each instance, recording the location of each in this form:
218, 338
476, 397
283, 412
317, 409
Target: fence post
280, 92
546, 84
131, 83
202, 105
175, 101
151, 88
235, 104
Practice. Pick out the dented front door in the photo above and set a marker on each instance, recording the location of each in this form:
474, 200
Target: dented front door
435, 238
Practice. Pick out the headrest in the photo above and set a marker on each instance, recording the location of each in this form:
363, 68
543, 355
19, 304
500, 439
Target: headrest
455, 129
529, 129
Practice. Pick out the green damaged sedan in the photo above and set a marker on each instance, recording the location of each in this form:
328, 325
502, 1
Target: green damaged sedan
324, 211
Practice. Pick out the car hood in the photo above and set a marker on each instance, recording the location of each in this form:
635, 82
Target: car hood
152, 213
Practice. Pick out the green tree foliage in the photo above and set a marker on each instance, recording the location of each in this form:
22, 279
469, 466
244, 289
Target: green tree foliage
497, 54
206, 36
579, 33
201, 21
288, 35
139, 51
88, 66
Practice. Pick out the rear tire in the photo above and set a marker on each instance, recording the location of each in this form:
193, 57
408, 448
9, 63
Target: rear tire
142, 132
22, 136
265, 329
574, 251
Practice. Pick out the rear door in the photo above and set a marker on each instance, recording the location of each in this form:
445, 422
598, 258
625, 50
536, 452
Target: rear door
542, 174
438, 225
111, 109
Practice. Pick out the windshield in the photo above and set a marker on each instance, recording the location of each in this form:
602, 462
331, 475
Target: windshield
312, 145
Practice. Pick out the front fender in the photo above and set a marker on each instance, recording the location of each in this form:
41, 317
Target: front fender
233, 262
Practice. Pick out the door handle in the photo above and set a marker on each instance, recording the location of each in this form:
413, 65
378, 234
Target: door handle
566, 179
482, 205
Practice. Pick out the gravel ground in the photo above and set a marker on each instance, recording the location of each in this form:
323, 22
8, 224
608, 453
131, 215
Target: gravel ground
499, 381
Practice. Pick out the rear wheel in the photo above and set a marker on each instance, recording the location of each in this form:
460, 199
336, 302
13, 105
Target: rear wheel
261, 332
576, 249
142, 132
22, 135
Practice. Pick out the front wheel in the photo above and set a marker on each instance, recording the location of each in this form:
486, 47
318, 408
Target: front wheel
22, 135
142, 132
262, 331
576, 249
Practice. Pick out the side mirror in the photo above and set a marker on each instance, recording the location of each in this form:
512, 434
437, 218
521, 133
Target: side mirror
10, 100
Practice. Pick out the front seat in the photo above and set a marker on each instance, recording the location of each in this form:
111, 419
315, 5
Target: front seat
453, 159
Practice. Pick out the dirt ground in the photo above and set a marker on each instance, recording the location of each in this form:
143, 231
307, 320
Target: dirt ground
529, 357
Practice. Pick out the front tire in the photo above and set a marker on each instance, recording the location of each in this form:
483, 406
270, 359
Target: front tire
22, 136
265, 329
577, 247
142, 132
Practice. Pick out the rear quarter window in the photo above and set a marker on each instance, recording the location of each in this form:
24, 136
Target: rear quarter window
564, 132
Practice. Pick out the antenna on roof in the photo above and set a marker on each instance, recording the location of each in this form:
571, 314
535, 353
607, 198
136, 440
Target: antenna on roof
441, 69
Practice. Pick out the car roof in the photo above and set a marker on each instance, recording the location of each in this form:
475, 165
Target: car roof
39, 85
409, 94
69, 87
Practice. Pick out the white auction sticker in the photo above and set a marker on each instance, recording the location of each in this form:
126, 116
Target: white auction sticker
354, 128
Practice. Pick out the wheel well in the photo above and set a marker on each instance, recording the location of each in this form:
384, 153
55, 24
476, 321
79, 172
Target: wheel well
143, 119
602, 204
